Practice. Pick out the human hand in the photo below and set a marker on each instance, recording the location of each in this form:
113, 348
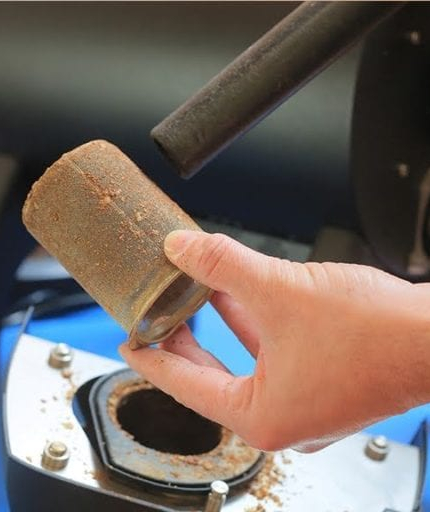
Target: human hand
337, 346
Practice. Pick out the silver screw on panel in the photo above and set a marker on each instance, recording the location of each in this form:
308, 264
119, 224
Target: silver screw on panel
60, 356
414, 37
55, 456
217, 496
377, 448
403, 170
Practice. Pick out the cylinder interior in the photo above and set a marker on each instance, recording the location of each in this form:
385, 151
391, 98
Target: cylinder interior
177, 303
157, 421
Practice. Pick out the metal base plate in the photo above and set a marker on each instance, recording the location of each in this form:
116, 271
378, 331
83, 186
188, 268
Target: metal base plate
38, 408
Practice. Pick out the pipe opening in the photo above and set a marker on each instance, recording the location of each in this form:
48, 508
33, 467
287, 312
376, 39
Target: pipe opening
157, 421
177, 303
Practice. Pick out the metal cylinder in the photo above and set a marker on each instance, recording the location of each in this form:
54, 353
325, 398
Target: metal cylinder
96, 212
55, 456
261, 78
60, 356
377, 448
217, 496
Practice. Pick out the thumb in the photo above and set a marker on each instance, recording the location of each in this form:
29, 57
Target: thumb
217, 261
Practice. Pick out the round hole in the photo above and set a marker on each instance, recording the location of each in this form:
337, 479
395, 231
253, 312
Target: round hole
157, 421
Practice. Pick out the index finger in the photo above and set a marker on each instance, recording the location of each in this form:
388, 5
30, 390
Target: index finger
213, 393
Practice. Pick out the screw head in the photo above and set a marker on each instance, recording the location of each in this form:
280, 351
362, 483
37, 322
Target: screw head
57, 449
380, 442
403, 170
220, 487
414, 37
377, 448
217, 496
62, 349
60, 356
55, 456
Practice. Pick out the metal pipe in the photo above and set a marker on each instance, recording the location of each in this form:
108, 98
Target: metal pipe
260, 79
217, 496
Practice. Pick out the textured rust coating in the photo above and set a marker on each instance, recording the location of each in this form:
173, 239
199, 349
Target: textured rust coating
231, 457
105, 221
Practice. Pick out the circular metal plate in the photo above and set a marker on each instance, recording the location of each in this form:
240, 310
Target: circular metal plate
231, 460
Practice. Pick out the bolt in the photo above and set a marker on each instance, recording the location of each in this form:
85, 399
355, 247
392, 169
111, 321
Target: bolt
60, 356
57, 449
377, 448
402, 170
217, 496
414, 37
55, 456
380, 442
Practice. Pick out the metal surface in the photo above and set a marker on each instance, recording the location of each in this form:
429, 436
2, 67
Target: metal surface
339, 245
217, 496
418, 261
60, 356
390, 146
260, 79
266, 244
339, 477
156, 469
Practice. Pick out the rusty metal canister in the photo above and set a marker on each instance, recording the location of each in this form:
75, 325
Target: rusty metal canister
105, 221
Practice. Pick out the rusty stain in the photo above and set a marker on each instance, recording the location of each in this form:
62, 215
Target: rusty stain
229, 457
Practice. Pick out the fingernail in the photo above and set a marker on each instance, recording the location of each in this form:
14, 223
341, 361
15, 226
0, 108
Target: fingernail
177, 241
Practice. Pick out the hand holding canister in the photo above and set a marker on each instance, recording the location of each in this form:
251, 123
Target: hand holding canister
105, 221
337, 346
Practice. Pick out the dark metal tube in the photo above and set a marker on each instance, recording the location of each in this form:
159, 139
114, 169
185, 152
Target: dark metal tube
260, 79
